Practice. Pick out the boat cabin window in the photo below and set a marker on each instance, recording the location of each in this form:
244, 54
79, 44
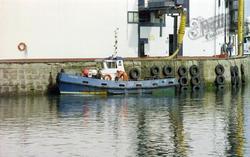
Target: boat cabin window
111, 65
119, 63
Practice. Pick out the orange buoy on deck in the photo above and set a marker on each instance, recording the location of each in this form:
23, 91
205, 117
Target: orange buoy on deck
85, 72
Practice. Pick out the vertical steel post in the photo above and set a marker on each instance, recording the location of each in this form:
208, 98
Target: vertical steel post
175, 32
240, 26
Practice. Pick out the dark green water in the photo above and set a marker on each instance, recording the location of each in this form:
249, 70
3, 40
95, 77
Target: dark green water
195, 125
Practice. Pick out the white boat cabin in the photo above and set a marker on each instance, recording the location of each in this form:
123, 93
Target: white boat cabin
110, 68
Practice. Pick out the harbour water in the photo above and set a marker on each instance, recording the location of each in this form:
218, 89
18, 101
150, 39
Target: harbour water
188, 124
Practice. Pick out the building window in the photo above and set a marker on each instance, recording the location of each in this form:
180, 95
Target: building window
151, 19
133, 17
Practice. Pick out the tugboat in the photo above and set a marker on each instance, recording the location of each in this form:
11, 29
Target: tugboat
111, 79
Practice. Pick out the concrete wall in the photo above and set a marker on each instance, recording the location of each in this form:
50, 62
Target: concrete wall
35, 78
28, 78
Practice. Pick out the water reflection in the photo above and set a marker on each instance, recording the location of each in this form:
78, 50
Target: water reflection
188, 124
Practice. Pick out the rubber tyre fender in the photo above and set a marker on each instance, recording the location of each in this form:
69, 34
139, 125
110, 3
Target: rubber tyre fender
237, 80
196, 88
107, 77
155, 70
58, 77
194, 70
232, 71
233, 80
168, 70
219, 69
242, 69
220, 87
243, 79
182, 71
236, 70
183, 81
220, 80
195, 80
184, 88
134, 73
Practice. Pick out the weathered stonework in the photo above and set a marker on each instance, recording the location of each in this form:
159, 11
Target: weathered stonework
40, 78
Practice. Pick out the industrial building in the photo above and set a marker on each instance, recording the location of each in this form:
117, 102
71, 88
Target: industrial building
130, 28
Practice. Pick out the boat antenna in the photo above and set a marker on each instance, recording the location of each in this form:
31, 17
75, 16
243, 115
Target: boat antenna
116, 42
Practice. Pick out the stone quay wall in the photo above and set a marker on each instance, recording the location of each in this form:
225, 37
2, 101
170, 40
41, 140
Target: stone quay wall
21, 77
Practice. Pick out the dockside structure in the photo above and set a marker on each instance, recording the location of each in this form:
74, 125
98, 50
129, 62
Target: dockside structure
132, 28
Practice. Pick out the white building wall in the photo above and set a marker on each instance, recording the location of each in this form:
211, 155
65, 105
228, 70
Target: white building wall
85, 29
66, 28
197, 43
158, 46
131, 32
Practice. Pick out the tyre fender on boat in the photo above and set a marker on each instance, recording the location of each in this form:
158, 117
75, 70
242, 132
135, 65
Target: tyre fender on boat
194, 70
167, 70
134, 74
155, 70
107, 77
219, 69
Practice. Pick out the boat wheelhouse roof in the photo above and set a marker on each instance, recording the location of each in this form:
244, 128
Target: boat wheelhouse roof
114, 58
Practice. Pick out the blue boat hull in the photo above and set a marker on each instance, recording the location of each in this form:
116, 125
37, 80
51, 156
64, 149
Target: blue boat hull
72, 84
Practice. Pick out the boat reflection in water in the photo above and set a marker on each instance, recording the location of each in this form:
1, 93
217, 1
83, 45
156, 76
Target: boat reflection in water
188, 124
